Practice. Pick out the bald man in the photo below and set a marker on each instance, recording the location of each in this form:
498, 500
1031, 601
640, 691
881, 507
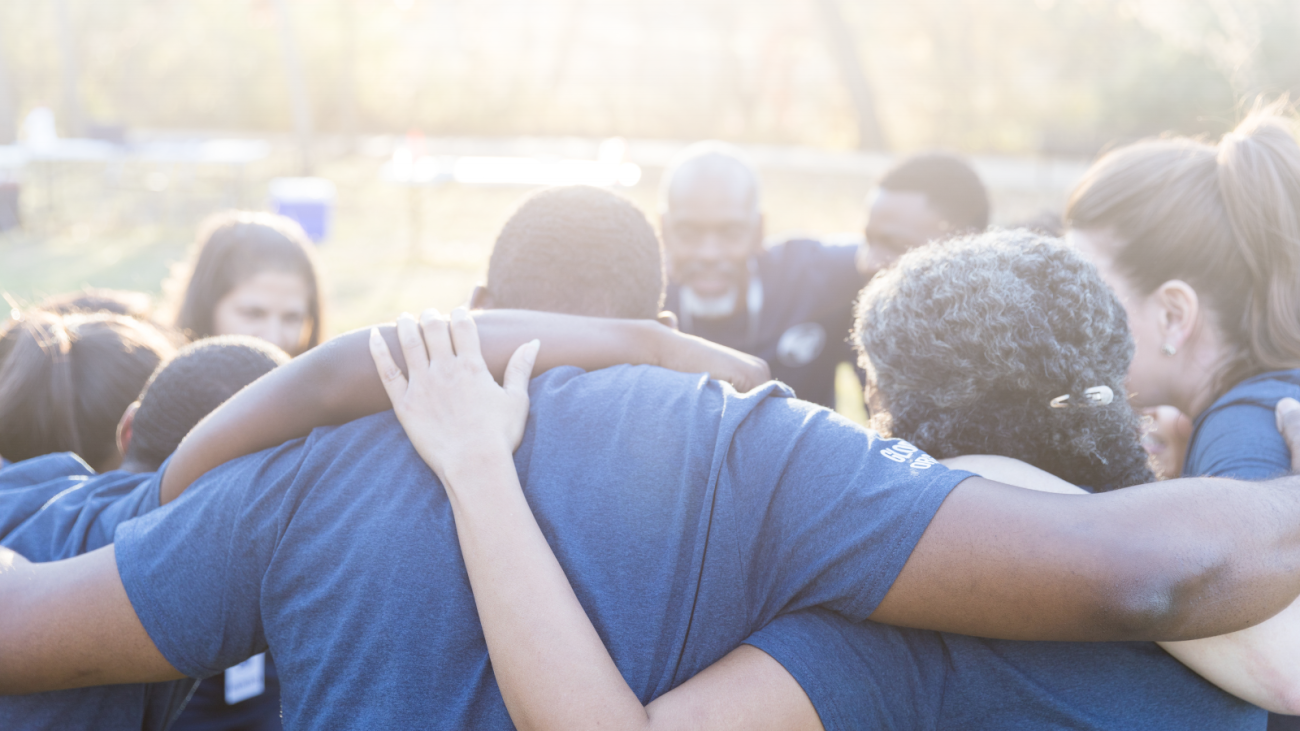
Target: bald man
790, 304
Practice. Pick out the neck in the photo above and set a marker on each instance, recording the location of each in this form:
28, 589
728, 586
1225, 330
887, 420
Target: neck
135, 466
1207, 360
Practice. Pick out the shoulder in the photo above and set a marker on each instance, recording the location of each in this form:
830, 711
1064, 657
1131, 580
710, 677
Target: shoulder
811, 252
42, 469
1237, 436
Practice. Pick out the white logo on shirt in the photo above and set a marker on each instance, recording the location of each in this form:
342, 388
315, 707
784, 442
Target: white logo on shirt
246, 680
903, 451
801, 344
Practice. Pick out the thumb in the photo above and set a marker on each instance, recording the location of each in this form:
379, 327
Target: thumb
1286, 409
520, 369
389, 374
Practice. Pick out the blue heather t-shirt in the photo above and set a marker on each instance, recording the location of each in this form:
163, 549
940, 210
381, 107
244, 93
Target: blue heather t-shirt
873, 676
807, 311
1238, 437
56, 507
685, 515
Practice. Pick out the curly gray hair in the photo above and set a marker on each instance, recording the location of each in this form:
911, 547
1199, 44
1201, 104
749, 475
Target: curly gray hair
967, 343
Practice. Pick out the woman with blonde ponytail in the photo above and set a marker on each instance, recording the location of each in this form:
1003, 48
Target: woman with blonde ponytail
1202, 244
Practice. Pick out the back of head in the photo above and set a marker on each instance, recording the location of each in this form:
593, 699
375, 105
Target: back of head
65, 381
578, 250
187, 388
949, 183
1224, 218
97, 299
968, 343
235, 246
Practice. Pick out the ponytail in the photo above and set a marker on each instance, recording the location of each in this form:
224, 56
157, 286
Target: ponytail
1259, 182
1224, 218
66, 380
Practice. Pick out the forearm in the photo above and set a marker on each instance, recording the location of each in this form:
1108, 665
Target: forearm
70, 624
1258, 664
1179, 560
552, 667
336, 382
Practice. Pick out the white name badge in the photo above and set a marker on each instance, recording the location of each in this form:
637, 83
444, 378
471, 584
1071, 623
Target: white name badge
246, 680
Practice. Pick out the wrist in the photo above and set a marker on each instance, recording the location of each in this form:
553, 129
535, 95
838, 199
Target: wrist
663, 341
476, 466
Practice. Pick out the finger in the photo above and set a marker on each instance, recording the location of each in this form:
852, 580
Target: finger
464, 336
408, 334
519, 371
1288, 422
436, 335
389, 374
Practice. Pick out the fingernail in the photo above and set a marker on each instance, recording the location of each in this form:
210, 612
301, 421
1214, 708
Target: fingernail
459, 314
536, 345
1288, 404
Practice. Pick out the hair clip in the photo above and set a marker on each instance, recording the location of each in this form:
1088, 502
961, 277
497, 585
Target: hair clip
1096, 396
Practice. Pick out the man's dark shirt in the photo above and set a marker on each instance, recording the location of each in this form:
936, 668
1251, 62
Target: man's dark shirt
803, 326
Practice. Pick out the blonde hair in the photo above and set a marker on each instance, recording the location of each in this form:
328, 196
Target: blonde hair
1224, 218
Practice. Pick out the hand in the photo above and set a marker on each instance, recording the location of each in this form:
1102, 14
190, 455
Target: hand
690, 354
1166, 439
1288, 422
455, 415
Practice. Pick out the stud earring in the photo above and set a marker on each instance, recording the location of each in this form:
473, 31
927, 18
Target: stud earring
1168, 349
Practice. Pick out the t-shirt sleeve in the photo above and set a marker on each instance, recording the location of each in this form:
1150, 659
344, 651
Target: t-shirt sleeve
193, 569
837, 508
859, 675
1239, 440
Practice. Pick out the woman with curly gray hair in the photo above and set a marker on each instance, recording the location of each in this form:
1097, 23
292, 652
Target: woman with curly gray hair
1007, 344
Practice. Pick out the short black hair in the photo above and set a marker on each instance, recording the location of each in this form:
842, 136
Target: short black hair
969, 341
189, 386
578, 250
98, 299
949, 182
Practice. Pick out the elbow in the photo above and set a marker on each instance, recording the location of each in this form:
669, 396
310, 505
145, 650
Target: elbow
1168, 595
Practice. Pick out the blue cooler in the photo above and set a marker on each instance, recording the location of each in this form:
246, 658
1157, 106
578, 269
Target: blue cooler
309, 201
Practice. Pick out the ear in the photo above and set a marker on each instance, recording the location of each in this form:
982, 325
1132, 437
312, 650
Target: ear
480, 298
668, 318
126, 427
1179, 312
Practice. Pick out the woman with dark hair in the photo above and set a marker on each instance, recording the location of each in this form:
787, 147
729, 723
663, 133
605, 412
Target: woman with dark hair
254, 274
1004, 344
66, 380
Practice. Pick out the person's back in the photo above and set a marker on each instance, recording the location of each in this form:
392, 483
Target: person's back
55, 507
686, 516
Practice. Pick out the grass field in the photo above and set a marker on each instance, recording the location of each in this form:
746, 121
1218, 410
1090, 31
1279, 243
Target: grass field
392, 248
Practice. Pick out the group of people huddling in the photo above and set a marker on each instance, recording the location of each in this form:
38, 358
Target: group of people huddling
597, 499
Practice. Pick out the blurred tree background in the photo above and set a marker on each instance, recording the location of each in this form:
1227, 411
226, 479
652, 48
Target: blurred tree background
992, 76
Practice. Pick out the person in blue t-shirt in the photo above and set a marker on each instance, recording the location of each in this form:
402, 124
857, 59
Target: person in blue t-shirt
1202, 244
55, 507
1026, 319
685, 514
792, 303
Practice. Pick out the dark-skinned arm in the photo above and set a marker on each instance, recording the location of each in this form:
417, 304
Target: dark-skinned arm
336, 382
1176, 560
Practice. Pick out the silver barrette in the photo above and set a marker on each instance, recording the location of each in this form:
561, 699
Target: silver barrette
1096, 396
